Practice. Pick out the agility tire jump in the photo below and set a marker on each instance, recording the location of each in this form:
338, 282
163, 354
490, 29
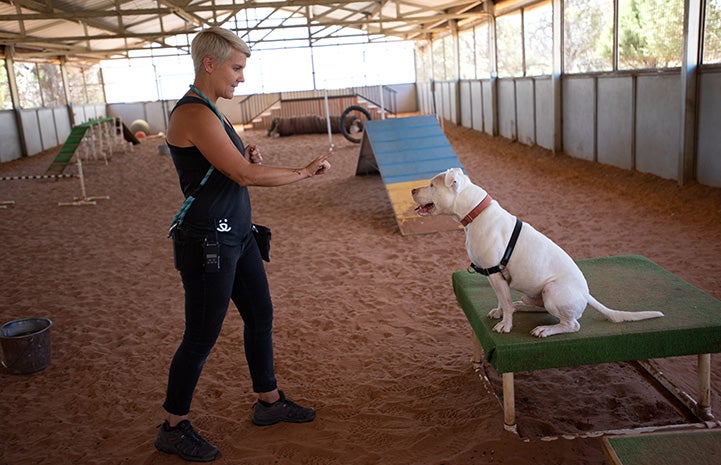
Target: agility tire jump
344, 128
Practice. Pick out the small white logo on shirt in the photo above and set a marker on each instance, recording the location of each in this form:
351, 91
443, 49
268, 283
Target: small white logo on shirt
223, 226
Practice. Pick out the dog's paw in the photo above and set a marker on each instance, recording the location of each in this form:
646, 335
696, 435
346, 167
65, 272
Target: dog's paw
496, 313
541, 331
549, 330
503, 327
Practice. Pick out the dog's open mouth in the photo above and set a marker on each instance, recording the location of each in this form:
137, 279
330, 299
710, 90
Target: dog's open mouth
426, 209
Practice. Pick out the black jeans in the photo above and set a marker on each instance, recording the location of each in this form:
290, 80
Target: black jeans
241, 278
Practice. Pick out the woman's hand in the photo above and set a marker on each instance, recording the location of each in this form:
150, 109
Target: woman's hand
320, 165
254, 155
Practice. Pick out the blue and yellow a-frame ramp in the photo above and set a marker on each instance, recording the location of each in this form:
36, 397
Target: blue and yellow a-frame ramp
408, 152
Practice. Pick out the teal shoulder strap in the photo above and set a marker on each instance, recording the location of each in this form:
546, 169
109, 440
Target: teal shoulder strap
178, 218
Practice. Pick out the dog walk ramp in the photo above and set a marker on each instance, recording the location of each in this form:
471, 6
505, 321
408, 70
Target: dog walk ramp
408, 153
67, 151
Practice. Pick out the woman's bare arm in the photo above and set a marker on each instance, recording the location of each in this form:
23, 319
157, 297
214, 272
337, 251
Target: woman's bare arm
197, 125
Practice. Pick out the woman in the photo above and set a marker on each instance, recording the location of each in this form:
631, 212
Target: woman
215, 250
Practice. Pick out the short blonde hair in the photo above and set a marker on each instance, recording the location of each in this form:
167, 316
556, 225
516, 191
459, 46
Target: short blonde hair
217, 43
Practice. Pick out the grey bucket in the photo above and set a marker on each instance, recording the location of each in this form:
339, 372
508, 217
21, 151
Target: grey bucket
26, 345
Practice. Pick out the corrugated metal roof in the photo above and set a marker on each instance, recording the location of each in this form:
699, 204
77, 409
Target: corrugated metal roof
113, 28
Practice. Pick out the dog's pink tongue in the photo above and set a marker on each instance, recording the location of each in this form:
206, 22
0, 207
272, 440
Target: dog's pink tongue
423, 209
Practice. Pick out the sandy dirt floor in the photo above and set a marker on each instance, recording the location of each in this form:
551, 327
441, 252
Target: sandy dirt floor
367, 327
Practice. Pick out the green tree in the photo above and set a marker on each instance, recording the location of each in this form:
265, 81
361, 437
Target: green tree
28, 86
538, 32
51, 84
712, 33
632, 46
588, 35
5, 100
483, 57
509, 44
650, 34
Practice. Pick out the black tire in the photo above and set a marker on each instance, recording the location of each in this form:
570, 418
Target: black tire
344, 115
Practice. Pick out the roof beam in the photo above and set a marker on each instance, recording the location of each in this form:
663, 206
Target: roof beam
139, 24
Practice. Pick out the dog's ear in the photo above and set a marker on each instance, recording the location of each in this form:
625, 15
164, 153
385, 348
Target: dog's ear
455, 179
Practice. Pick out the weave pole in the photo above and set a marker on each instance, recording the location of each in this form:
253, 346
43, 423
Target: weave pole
327, 119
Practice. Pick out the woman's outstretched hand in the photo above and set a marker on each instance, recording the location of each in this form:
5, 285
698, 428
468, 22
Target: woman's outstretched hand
320, 165
254, 154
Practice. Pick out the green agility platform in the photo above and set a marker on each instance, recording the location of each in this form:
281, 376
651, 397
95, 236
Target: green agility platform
691, 325
680, 448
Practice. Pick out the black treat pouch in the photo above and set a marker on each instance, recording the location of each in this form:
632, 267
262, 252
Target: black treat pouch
187, 253
262, 237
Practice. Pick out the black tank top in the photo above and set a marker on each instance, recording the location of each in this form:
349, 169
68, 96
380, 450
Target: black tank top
222, 207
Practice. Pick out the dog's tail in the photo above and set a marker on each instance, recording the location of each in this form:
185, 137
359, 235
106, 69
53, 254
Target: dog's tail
618, 316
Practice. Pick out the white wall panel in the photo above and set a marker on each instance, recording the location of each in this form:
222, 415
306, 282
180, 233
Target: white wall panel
10, 147
544, 113
507, 126
32, 131
708, 169
658, 122
488, 114
526, 111
615, 121
48, 135
466, 103
578, 117
477, 105
62, 123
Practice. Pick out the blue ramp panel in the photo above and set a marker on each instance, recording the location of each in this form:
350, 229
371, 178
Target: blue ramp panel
408, 153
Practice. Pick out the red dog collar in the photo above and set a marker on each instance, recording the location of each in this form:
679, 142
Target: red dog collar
476, 211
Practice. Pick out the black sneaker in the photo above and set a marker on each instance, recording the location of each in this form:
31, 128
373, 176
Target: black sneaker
282, 410
185, 442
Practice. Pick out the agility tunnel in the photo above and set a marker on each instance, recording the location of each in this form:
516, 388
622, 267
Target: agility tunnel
408, 153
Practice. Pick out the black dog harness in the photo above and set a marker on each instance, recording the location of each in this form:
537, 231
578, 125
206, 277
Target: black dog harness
468, 219
506, 255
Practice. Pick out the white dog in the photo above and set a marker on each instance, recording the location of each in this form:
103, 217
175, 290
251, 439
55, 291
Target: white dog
515, 256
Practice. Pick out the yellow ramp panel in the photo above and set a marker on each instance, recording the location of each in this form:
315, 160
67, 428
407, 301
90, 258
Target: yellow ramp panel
408, 152
408, 220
